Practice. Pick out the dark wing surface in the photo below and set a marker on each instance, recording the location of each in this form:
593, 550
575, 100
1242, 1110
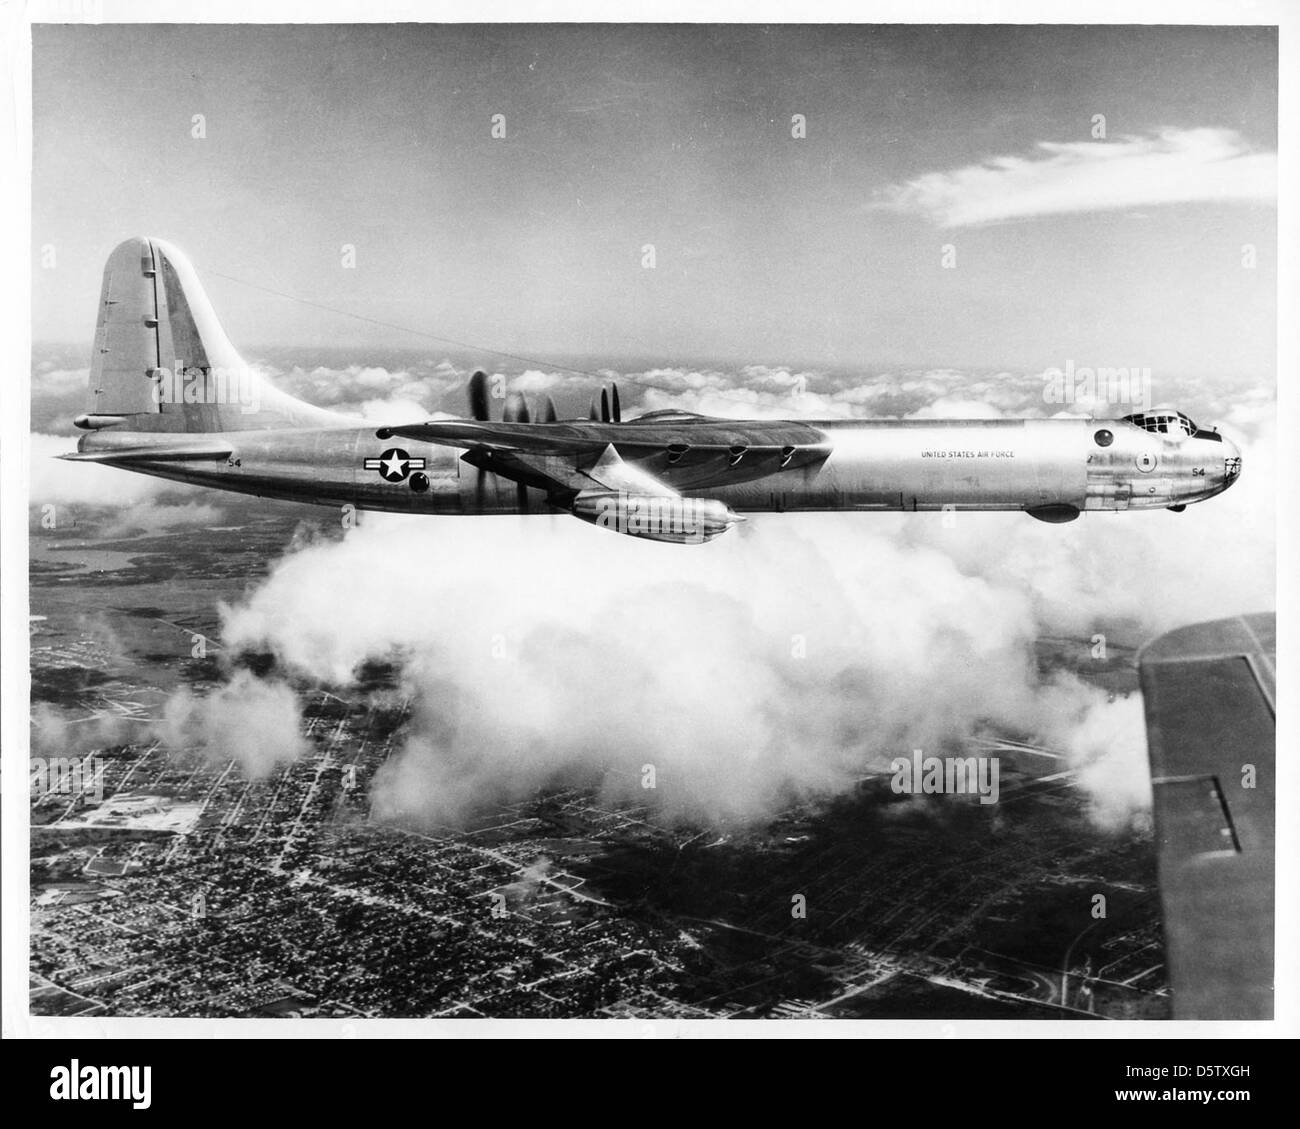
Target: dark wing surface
665, 453
1210, 693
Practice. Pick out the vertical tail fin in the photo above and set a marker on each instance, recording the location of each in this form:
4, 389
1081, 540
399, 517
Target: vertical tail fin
163, 363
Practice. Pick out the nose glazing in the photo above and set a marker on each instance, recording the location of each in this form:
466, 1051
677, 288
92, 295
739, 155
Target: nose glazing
1231, 463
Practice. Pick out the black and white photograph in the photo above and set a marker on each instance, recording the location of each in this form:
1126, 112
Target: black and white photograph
656, 521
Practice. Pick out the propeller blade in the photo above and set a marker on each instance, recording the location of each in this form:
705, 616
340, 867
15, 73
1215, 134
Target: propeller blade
604, 405
516, 409
546, 411
478, 396
615, 412
594, 414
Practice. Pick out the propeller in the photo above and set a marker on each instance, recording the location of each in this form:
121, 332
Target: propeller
516, 409
609, 411
478, 397
480, 408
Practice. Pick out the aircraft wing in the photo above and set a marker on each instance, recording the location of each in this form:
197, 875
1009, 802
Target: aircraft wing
1210, 693
656, 454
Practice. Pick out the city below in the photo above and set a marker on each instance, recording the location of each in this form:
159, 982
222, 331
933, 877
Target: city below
172, 884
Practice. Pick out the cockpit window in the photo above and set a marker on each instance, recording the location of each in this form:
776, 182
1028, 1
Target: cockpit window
1163, 422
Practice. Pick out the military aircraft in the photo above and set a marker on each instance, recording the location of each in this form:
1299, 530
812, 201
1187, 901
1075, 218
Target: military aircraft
170, 396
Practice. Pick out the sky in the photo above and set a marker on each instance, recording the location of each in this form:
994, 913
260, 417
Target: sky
925, 146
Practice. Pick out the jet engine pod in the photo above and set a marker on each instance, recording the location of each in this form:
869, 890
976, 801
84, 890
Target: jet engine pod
656, 517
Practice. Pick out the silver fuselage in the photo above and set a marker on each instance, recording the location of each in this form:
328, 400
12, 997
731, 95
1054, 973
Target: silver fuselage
884, 465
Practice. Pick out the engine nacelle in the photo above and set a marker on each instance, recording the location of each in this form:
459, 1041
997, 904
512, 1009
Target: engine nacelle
657, 517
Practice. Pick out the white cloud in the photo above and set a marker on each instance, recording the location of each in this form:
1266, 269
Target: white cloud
700, 663
150, 518
60, 382
532, 381
396, 411
954, 407
1108, 748
54, 480
1176, 166
254, 722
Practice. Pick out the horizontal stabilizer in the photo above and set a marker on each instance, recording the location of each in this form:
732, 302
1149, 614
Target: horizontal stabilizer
155, 452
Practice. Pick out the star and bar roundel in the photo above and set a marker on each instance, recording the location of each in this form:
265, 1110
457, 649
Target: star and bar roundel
394, 464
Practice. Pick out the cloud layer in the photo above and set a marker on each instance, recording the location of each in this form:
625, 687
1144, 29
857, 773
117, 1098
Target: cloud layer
788, 659
787, 663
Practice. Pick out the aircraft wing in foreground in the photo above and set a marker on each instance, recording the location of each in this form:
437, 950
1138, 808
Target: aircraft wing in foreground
1210, 694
